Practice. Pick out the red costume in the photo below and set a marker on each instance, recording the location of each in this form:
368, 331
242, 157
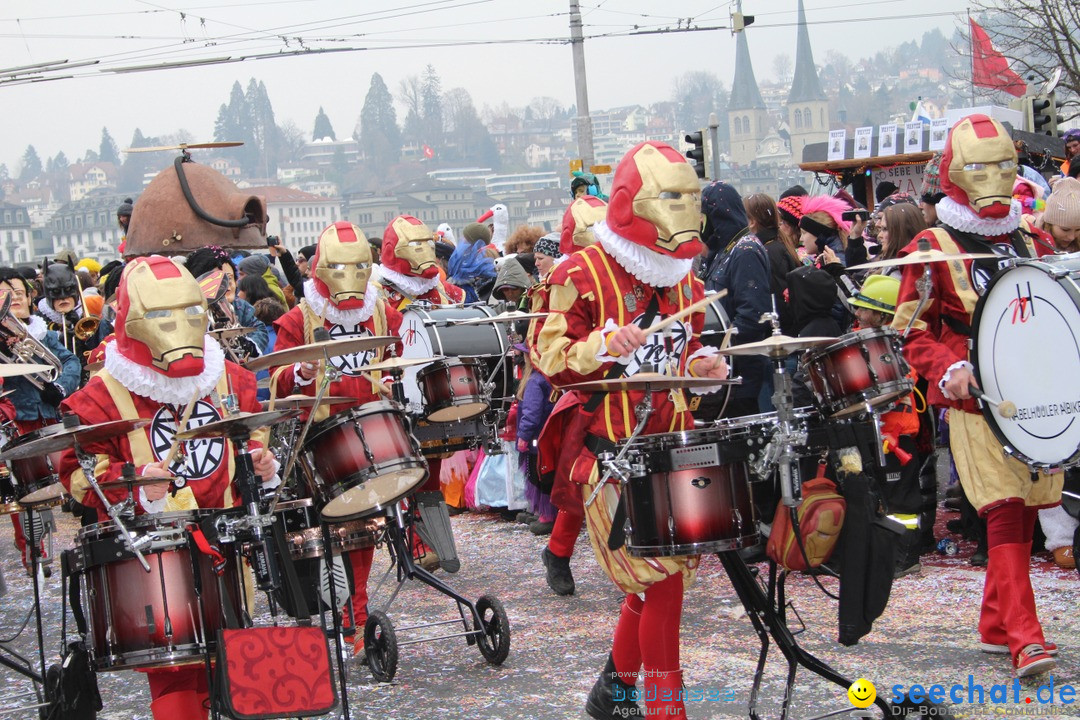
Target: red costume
978, 214
409, 271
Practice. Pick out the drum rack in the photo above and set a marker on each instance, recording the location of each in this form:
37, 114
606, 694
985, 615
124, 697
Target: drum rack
486, 625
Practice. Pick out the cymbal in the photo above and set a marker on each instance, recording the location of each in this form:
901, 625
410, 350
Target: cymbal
184, 146
17, 369
921, 258
6, 393
647, 381
777, 346
240, 424
512, 316
320, 351
136, 481
397, 363
300, 402
225, 334
68, 437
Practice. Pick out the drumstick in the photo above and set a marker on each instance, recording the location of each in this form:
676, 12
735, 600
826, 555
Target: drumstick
707, 300
1005, 408
179, 429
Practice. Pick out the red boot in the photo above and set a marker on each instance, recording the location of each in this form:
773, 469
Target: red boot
664, 694
1008, 569
182, 705
992, 638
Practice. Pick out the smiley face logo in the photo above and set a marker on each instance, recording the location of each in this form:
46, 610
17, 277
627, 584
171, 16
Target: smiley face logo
862, 693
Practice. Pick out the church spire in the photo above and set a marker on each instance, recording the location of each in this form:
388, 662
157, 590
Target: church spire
805, 86
745, 94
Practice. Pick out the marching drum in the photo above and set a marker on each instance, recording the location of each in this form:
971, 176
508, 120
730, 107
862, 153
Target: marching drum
862, 368
143, 620
1026, 349
365, 459
452, 389
690, 495
34, 478
303, 534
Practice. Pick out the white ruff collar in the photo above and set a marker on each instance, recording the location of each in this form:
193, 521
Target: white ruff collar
649, 267
45, 309
149, 383
964, 219
409, 284
321, 305
36, 327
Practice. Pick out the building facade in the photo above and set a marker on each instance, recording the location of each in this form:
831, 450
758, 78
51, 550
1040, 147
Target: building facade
297, 217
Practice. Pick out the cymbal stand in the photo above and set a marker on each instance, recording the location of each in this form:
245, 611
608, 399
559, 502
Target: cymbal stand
619, 465
35, 551
923, 285
117, 511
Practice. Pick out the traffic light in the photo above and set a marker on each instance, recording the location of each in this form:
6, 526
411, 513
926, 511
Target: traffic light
1044, 116
739, 22
698, 153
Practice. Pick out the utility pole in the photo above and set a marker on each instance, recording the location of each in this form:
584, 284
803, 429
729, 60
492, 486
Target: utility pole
714, 145
584, 122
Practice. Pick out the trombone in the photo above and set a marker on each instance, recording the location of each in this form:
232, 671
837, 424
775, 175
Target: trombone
18, 346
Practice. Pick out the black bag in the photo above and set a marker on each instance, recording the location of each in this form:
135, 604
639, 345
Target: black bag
867, 558
71, 686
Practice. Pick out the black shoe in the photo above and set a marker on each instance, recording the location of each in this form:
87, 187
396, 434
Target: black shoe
954, 491
952, 504
559, 577
508, 515
538, 527
979, 558
525, 517
452, 511
956, 527
602, 702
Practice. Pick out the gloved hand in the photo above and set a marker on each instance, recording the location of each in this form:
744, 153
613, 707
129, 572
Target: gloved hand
53, 394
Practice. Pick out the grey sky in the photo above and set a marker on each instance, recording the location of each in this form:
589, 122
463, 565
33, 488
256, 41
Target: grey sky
68, 114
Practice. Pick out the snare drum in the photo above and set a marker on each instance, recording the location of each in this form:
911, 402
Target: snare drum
303, 534
862, 368
365, 459
691, 495
127, 607
1030, 312
453, 389
34, 478
427, 332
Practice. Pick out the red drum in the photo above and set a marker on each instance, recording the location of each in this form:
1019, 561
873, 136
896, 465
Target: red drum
863, 368
452, 389
365, 459
35, 479
143, 620
303, 534
690, 496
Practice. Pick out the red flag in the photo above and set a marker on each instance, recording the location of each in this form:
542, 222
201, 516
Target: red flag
989, 68
429, 153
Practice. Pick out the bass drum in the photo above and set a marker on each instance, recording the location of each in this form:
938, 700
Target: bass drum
712, 405
427, 332
1028, 312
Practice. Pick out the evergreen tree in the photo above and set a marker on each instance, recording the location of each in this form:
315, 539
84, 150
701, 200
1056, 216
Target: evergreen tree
135, 165
323, 128
234, 124
57, 164
5, 174
380, 138
413, 130
265, 135
107, 152
31, 164
431, 115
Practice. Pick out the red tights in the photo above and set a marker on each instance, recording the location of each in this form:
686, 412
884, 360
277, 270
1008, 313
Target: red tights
648, 630
1010, 522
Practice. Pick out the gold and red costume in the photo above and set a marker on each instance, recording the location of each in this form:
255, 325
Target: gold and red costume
979, 214
409, 269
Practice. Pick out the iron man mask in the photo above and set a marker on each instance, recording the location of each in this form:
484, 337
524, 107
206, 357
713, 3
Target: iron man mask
583, 213
166, 315
982, 166
416, 246
343, 264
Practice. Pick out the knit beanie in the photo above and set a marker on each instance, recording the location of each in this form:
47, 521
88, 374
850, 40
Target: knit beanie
930, 190
548, 245
254, 265
1063, 205
307, 252
125, 208
476, 231
790, 209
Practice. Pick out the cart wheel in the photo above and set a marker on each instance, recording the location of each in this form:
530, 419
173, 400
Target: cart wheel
380, 644
495, 640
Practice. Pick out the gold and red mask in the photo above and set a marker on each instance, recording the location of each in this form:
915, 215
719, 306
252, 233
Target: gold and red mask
578, 221
341, 266
409, 248
656, 201
979, 166
161, 317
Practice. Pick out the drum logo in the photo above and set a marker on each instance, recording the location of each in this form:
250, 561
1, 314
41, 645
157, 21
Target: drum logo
198, 459
701, 482
353, 363
655, 351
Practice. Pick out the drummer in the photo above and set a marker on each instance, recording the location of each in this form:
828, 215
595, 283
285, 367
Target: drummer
160, 363
600, 299
340, 297
35, 408
409, 269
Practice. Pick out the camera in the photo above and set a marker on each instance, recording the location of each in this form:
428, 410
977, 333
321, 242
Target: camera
272, 241
853, 215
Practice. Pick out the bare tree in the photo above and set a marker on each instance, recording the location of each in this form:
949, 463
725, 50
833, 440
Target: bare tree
411, 94
781, 66
1038, 37
545, 109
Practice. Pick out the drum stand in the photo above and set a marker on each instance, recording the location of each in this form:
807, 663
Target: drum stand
17, 662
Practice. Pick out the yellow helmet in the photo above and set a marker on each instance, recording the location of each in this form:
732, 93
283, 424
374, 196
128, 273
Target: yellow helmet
879, 292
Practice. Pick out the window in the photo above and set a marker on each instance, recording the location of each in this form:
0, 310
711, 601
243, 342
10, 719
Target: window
745, 123
798, 118
738, 125
807, 118
7, 217
822, 117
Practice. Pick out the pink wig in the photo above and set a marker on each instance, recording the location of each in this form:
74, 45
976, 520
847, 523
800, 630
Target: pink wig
831, 206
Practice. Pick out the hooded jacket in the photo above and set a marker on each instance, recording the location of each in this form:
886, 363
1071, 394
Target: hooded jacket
511, 274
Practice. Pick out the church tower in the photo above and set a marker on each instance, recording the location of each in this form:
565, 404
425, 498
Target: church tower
748, 118
807, 104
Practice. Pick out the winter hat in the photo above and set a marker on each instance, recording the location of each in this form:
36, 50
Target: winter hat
794, 191
125, 207
790, 208
88, 264
930, 190
1072, 134
884, 190
832, 208
725, 215
548, 245
443, 250
254, 265
307, 252
476, 231
1063, 205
